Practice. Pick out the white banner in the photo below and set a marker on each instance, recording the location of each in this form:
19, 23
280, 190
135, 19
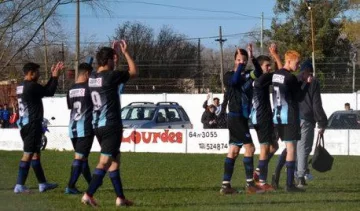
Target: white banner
208, 141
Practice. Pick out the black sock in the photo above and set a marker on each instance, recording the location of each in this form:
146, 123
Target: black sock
116, 181
290, 165
75, 172
86, 171
96, 181
263, 165
281, 162
39, 172
249, 168
23, 172
228, 169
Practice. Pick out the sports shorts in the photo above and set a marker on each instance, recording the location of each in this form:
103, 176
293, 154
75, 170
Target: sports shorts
265, 132
82, 145
239, 132
31, 135
289, 132
109, 138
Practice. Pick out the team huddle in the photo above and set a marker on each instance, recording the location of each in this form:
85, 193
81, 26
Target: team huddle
248, 97
95, 111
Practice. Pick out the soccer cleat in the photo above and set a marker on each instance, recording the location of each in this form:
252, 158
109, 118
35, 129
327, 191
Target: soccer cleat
275, 181
293, 189
301, 183
256, 176
226, 189
21, 189
47, 186
86, 199
266, 187
72, 191
251, 188
123, 202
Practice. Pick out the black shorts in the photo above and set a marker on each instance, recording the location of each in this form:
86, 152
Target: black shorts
82, 145
109, 138
239, 130
31, 136
289, 132
265, 132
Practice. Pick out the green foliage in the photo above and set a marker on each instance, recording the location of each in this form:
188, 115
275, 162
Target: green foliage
179, 182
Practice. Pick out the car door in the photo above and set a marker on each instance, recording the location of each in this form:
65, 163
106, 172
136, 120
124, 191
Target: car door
161, 121
175, 119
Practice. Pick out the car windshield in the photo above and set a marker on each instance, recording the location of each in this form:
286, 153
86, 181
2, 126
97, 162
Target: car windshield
350, 120
137, 113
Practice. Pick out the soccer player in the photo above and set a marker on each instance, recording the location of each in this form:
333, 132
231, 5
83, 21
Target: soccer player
261, 116
311, 111
104, 86
80, 127
30, 94
239, 94
287, 93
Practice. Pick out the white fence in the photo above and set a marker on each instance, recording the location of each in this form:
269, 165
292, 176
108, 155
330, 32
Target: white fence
337, 142
192, 103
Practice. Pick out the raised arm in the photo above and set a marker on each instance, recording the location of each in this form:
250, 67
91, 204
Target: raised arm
50, 88
274, 54
133, 71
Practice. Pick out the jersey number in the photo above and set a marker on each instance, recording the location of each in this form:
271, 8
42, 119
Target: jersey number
277, 95
77, 106
96, 99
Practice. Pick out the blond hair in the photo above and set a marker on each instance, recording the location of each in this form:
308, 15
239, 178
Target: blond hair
291, 55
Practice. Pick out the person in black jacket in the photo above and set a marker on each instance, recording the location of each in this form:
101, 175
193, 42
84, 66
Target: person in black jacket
311, 112
209, 117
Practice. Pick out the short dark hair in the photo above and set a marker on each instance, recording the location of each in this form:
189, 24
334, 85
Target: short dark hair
242, 52
85, 67
262, 58
215, 98
347, 104
30, 67
103, 55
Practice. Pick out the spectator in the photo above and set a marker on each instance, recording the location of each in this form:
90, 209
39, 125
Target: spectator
311, 112
209, 117
14, 116
5, 116
1, 116
347, 107
220, 115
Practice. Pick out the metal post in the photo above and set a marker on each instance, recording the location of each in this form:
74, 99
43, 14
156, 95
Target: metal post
353, 82
77, 58
199, 65
221, 41
63, 60
262, 34
312, 37
45, 44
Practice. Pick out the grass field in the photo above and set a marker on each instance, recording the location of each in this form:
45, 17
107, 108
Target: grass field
179, 182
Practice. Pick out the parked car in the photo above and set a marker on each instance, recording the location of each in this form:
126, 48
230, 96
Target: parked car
344, 120
163, 115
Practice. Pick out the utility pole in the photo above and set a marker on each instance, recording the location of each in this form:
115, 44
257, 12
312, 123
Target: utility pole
45, 44
262, 34
77, 58
221, 41
309, 2
354, 67
199, 66
63, 60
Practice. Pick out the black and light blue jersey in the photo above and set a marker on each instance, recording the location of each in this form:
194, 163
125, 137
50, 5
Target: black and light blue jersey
287, 92
239, 89
104, 88
80, 104
261, 107
29, 95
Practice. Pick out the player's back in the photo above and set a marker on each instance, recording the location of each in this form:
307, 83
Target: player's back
261, 108
104, 88
285, 90
30, 103
79, 101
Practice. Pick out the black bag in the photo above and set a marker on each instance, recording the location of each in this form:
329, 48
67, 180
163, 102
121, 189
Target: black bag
321, 161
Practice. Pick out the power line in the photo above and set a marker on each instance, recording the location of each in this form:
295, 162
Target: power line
187, 8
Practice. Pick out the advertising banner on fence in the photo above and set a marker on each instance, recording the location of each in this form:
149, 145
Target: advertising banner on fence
153, 140
208, 141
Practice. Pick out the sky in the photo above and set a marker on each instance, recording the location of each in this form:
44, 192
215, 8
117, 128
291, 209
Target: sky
194, 18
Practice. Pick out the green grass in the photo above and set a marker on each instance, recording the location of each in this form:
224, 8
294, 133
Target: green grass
179, 182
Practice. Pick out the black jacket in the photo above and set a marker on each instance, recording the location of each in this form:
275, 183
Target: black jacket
311, 106
206, 118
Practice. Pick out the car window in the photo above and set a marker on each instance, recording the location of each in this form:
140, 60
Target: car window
161, 116
186, 117
173, 115
138, 113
